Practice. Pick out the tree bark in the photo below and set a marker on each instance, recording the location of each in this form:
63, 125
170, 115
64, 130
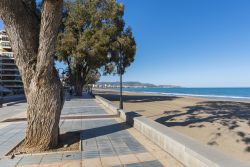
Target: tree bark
78, 87
33, 43
79, 81
44, 109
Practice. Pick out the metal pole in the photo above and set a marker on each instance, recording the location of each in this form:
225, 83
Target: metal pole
121, 99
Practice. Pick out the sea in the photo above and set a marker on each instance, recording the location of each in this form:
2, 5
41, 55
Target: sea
214, 93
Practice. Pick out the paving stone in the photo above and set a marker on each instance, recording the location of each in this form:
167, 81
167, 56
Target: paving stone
90, 154
50, 158
145, 164
122, 150
94, 162
128, 159
110, 161
9, 162
72, 156
152, 163
134, 165
107, 152
30, 160
145, 157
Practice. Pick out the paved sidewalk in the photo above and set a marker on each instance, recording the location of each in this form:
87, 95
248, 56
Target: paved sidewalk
104, 141
17, 110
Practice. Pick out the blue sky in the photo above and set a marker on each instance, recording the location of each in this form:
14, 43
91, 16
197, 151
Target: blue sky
191, 43
194, 43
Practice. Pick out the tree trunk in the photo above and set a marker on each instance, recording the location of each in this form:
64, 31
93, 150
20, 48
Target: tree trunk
81, 73
79, 82
78, 88
43, 113
33, 43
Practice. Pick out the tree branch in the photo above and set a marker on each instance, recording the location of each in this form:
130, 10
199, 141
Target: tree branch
50, 22
22, 28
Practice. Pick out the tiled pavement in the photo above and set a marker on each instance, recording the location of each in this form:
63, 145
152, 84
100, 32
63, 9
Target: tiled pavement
104, 142
82, 106
11, 111
10, 136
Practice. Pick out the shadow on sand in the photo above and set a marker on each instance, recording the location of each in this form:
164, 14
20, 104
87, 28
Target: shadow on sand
227, 113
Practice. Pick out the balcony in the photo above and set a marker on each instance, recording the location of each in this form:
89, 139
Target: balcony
11, 87
8, 69
7, 55
10, 75
5, 45
3, 33
8, 64
11, 80
4, 38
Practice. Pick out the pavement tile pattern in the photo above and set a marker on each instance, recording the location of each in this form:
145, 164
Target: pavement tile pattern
104, 142
10, 136
10, 111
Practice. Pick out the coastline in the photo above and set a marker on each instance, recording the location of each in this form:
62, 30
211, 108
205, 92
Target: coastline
215, 97
219, 123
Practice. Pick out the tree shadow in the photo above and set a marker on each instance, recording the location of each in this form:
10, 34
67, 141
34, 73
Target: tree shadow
100, 131
227, 113
68, 138
112, 96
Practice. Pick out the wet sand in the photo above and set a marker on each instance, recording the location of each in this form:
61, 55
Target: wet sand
222, 124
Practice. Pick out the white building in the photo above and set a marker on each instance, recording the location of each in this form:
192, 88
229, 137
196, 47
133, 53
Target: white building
9, 74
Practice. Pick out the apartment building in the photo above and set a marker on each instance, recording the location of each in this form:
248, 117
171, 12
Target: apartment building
9, 74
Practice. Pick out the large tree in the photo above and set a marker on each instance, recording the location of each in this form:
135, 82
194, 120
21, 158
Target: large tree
91, 29
33, 35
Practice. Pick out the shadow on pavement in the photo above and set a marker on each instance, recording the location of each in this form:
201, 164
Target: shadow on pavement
103, 130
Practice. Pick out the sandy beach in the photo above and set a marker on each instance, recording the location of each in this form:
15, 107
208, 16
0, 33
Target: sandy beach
222, 124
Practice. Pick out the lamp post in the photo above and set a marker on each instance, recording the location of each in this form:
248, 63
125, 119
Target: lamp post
120, 71
119, 68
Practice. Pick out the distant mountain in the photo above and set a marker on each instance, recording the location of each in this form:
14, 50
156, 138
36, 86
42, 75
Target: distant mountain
132, 85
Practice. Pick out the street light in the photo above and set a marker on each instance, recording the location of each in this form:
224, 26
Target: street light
120, 69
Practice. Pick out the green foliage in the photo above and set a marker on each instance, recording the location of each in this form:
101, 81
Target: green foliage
92, 77
91, 29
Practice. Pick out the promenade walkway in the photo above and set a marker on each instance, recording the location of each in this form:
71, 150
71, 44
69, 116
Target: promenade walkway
105, 140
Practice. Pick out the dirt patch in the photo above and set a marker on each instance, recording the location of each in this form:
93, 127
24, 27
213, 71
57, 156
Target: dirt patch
67, 142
